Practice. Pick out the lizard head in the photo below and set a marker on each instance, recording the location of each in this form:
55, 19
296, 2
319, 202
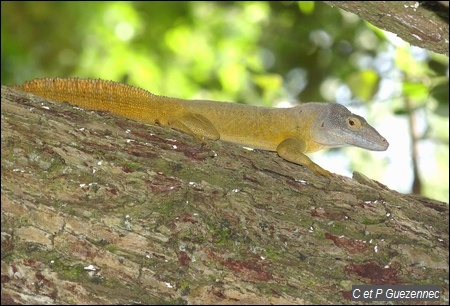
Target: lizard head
336, 126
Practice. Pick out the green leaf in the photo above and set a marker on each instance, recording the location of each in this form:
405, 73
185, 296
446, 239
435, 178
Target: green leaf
414, 90
306, 7
363, 84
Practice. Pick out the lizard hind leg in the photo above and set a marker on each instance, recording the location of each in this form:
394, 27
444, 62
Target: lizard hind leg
197, 125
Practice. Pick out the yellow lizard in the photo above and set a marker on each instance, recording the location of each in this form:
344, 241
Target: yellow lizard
291, 132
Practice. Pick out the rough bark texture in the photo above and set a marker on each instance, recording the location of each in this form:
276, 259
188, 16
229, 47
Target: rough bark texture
101, 209
423, 24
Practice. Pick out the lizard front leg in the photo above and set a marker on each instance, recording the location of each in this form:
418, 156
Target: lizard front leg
292, 150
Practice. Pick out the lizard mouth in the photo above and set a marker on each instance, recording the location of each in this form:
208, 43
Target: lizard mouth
379, 145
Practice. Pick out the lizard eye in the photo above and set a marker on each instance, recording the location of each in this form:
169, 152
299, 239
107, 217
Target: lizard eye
353, 123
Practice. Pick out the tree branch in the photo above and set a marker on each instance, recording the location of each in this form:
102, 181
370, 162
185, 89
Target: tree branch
424, 24
101, 209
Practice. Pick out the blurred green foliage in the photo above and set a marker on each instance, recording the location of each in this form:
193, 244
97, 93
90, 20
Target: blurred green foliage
260, 53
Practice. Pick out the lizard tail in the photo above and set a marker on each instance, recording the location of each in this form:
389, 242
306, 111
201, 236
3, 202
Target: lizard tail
117, 98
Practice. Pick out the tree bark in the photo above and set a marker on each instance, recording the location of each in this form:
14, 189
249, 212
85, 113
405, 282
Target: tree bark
101, 209
423, 24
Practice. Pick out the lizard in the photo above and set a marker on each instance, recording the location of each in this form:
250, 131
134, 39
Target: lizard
291, 132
